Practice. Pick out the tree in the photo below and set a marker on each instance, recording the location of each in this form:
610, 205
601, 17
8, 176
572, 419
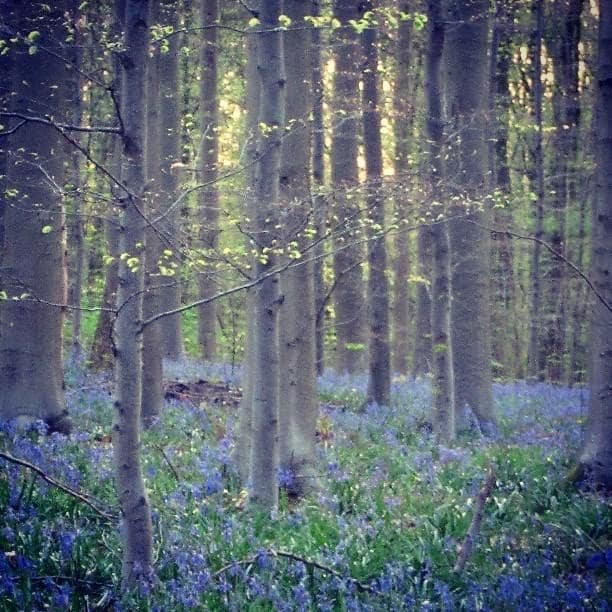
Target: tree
152, 354
266, 297
209, 159
348, 253
403, 107
466, 87
442, 357
298, 379
169, 129
33, 259
379, 379
596, 457
137, 560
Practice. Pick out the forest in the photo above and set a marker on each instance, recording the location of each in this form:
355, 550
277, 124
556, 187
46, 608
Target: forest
306, 305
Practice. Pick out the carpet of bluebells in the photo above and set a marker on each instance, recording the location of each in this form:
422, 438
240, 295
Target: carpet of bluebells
382, 533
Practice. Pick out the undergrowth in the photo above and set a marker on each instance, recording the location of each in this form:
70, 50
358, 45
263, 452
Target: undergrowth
382, 533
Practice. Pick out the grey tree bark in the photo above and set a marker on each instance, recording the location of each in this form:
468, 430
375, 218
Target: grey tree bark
403, 109
466, 94
242, 453
33, 260
318, 176
562, 40
266, 297
379, 379
349, 291
101, 352
137, 537
299, 408
596, 456
152, 355
442, 357
169, 129
209, 159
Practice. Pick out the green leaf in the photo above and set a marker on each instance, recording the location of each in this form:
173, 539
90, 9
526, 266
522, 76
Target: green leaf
47, 229
32, 50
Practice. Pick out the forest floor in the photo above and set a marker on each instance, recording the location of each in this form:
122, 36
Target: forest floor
384, 531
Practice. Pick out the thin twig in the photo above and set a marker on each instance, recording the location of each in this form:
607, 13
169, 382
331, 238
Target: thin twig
474, 529
82, 497
167, 460
361, 586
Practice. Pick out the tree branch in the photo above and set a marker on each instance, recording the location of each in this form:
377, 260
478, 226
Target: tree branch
85, 498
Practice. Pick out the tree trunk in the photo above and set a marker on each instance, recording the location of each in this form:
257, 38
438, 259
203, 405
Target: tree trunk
442, 358
534, 365
209, 159
242, 454
266, 297
596, 457
379, 380
137, 538
170, 123
403, 107
349, 291
422, 356
562, 39
503, 312
34, 272
318, 175
152, 355
466, 80
101, 352
298, 377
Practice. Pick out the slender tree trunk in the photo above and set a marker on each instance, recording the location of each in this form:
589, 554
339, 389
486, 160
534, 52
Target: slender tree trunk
298, 378
466, 80
349, 293
152, 355
403, 106
31, 368
534, 366
170, 123
318, 175
266, 297
596, 457
101, 352
209, 159
245, 425
504, 317
442, 362
137, 537
422, 356
562, 39
379, 380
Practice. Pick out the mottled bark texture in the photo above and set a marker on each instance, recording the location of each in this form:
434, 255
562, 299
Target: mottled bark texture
596, 457
403, 112
349, 290
442, 357
209, 160
299, 407
379, 370
152, 354
266, 297
137, 537
170, 141
466, 94
33, 259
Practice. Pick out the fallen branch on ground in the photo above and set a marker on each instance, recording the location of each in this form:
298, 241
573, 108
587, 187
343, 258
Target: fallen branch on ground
360, 586
85, 498
474, 529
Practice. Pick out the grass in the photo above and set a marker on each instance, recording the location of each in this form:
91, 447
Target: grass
387, 522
